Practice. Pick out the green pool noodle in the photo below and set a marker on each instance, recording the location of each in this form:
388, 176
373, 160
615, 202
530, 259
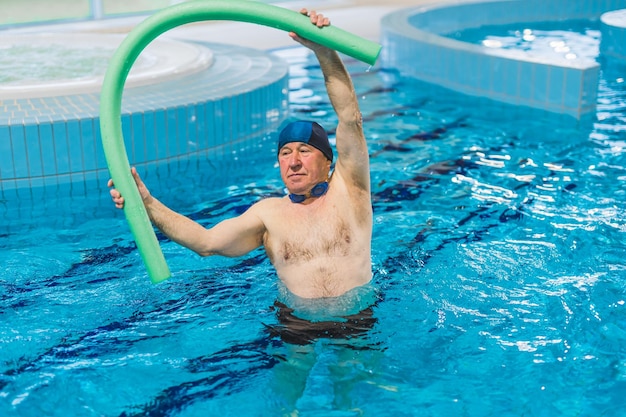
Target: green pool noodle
135, 42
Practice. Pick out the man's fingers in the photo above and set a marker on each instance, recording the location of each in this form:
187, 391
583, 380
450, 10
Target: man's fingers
317, 19
116, 196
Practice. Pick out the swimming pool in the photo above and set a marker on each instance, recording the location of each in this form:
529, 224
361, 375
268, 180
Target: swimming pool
498, 254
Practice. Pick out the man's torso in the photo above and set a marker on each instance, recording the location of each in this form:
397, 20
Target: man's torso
322, 249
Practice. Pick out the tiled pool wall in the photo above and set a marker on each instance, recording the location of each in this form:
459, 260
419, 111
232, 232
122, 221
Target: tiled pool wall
613, 29
51, 145
413, 42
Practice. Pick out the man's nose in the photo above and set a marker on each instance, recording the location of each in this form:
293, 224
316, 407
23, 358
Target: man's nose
294, 159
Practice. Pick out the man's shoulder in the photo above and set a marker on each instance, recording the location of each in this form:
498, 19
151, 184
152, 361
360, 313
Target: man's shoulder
268, 203
268, 209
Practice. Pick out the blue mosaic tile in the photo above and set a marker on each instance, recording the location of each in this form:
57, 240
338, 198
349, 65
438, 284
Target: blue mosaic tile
88, 143
149, 136
556, 82
7, 165
19, 152
157, 140
46, 146
134, 139
61, 147
169, 132
181, 132
74, 143
33, 147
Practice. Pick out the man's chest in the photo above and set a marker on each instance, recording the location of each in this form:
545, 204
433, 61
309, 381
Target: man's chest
302, 239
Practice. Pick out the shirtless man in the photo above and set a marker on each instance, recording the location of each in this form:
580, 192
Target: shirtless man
318, 238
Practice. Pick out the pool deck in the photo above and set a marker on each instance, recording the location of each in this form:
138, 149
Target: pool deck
356, 16
361, 17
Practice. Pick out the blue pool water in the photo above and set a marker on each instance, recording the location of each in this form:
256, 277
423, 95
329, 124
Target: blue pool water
498, 257
570, 39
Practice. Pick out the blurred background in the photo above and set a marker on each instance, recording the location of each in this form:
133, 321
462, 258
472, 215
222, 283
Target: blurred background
25, 12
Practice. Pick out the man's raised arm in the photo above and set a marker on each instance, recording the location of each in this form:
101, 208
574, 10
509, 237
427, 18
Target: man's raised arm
353, 158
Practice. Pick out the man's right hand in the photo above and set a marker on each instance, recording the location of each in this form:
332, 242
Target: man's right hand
318, 20
117, 197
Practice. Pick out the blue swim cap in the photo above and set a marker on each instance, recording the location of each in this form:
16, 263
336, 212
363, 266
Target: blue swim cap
310, 133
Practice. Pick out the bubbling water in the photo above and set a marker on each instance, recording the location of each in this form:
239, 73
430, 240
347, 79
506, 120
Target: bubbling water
46, 65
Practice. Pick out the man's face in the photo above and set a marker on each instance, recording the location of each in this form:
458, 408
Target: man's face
302, 167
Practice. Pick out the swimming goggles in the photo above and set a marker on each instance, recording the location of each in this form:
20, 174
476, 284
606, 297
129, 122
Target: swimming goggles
317, 191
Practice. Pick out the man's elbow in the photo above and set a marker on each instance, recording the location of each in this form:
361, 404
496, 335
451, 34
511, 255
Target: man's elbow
205, 250
225, 253
205, 253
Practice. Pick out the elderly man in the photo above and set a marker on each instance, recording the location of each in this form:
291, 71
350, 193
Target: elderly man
318, 238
